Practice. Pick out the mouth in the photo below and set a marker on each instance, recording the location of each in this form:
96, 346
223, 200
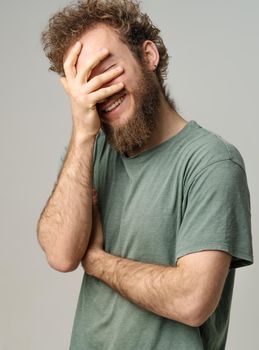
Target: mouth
113, 106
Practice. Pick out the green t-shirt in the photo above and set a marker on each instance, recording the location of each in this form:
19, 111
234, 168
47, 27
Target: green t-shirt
185, 195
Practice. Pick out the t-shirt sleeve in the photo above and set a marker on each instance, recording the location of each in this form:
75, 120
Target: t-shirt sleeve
217, 213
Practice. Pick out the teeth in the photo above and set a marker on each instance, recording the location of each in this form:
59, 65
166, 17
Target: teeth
114, 105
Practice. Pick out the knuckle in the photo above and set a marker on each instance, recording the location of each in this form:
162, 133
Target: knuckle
106, 90
108, 75
77, 92
87, 88
91, 106
99, 79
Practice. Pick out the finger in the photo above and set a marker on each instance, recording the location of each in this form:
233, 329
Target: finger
103, 78
102, 94
93, 61
70, 61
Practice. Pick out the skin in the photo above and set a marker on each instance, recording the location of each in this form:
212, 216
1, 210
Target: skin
169, 122
188, 292
64, 226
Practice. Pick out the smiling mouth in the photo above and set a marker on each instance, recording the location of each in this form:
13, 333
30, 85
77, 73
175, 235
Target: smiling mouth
114, 104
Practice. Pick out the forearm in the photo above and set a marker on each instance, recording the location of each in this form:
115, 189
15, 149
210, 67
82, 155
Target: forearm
65, 223
158, 288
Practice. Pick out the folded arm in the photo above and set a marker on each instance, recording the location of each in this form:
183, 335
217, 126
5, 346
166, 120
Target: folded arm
188, 292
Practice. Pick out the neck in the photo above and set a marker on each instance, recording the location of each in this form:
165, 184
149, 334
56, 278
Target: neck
169, 124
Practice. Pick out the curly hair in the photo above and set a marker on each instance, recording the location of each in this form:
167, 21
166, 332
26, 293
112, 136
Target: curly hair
124, 16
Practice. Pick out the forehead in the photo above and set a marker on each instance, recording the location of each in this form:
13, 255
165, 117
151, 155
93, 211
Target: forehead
99, 37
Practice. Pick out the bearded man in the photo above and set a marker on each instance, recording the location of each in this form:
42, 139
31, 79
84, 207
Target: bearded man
155, 209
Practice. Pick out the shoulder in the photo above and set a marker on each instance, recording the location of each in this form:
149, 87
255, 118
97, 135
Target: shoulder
205, 148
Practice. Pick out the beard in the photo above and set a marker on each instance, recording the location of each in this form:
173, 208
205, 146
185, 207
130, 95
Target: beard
135, 133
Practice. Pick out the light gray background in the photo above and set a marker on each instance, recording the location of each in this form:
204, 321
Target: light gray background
213, 77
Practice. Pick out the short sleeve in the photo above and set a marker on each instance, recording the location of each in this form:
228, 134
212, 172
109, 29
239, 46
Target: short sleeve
217, 213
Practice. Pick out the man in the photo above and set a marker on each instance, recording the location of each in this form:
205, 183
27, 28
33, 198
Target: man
168, 221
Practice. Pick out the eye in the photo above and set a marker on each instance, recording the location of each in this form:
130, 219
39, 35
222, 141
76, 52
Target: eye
109, 68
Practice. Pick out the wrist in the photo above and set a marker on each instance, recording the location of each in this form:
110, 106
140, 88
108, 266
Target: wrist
95, 262
80, 138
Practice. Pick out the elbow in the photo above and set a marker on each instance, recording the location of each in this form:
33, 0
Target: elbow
62, 265
197, 316
57, 262
197, 320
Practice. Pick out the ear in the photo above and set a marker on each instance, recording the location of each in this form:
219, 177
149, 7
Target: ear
150, 54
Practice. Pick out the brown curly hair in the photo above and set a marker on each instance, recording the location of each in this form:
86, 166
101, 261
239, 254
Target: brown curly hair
124, 16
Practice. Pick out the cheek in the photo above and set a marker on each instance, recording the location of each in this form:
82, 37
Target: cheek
134, 80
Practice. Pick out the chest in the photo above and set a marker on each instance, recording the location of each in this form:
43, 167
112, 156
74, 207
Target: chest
141, 211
